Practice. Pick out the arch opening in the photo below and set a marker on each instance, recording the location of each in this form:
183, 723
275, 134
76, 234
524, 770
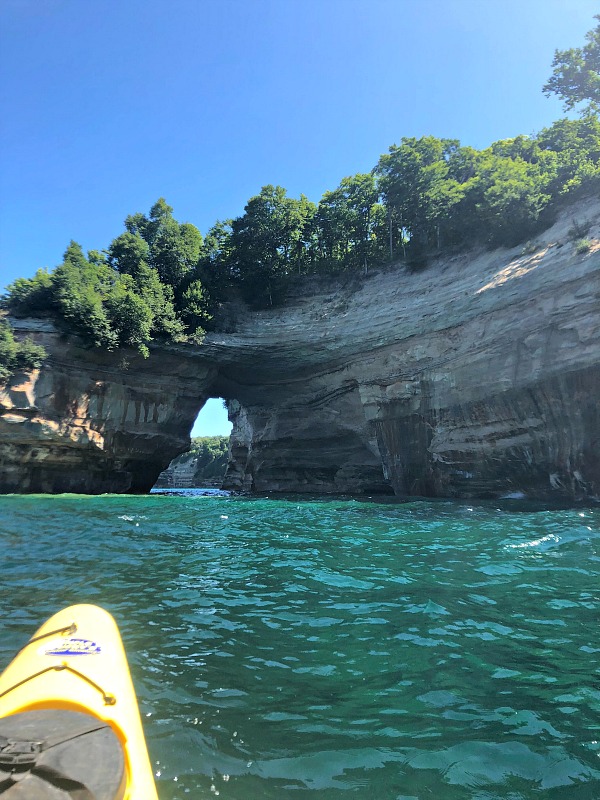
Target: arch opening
204, 465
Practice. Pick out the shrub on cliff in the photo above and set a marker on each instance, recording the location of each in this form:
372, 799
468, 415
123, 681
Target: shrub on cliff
105, 307
15, 354
30, 296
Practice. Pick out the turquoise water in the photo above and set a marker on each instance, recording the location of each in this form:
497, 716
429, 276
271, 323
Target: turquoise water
327, 649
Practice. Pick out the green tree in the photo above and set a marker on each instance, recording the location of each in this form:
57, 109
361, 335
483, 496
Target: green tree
215, 262
195, 308
160, 301
150, 227
30, 296
137, 224
572, 152
175, 251
211, 454
267, 244
420, 190
350, 224
131, 318
97, 257
116, 297
576, 73
128, 252
511, 195
174, 248
298, 218
79, 289
8, 351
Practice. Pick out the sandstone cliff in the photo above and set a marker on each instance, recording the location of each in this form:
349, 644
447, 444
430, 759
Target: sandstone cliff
93, 422
478, 377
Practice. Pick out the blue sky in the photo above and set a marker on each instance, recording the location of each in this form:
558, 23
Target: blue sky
212, 420
108, 105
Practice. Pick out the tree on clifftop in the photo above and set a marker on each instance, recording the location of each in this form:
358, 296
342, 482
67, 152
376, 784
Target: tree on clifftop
174, 248
267, 244
420, 190
79, 290
127, 252
576, 75
347, 222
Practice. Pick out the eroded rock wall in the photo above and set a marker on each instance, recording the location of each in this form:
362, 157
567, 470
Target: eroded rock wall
95, 422
479, 377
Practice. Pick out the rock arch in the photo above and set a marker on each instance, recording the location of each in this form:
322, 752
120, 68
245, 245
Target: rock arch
478, 377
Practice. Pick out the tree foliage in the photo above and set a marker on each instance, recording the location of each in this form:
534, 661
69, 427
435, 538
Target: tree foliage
118, 298
576, 73
211, 454
128, 252
208, 455
420, 190
214, 268
172, 250
79, 290
268, 244
16, 354
350, 224
31, 296
159, 279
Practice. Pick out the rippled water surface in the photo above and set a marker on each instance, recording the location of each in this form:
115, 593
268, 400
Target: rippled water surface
300, 649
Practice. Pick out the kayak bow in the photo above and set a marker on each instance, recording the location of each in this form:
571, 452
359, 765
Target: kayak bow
69, 720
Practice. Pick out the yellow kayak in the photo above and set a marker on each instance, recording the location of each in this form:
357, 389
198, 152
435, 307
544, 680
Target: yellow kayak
70, 725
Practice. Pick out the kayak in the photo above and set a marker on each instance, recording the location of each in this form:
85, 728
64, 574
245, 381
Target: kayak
70, 724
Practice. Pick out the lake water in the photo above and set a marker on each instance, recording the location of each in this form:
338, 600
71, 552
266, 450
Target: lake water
333, 648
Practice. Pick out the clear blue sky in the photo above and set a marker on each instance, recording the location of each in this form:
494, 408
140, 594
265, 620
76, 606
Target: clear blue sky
212, 420
108, 105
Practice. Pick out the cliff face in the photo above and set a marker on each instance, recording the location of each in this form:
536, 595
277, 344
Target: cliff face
94, 422
476, 377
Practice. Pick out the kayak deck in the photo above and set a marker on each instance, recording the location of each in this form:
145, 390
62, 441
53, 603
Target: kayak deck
46, 753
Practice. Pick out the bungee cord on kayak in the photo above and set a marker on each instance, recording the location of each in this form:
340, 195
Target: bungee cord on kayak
109, 699
69, 630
